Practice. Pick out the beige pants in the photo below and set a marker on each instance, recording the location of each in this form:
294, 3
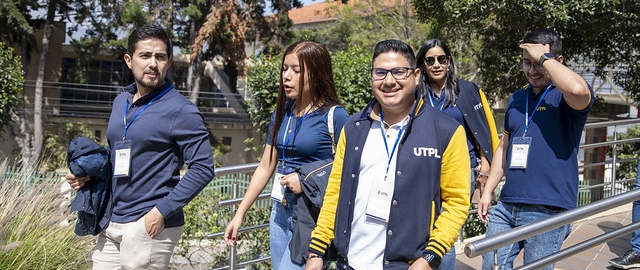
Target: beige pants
128, 246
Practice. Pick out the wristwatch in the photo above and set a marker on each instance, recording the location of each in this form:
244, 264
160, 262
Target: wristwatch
546, 56
431, 259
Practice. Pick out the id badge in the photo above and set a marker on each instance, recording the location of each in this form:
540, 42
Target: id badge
277, 190
380, 197
520, 152
122, 159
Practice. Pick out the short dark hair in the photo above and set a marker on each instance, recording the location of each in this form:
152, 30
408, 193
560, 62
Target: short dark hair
392, 45
545, 36
147, 32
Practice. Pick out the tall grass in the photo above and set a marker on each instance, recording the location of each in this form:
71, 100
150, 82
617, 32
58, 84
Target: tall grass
36, 226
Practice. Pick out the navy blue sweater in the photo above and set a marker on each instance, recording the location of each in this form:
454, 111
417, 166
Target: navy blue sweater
169, 133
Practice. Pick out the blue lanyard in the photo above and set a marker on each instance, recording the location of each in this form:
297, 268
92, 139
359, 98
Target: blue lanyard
431, 99
126, 109
288, 135
390, 155
528, 119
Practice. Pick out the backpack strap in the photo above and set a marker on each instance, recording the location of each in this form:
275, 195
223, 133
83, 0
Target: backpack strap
330, 126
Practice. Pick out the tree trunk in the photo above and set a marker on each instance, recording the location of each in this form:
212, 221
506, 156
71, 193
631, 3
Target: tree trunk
194, 74
31, 146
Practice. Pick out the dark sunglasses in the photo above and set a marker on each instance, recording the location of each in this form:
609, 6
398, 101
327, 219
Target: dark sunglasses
442, 59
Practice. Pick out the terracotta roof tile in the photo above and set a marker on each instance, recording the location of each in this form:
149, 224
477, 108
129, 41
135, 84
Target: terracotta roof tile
317, 12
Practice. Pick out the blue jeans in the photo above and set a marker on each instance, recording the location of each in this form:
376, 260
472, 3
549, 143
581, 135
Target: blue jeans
448, 261
635, 216
280, 233
506, 216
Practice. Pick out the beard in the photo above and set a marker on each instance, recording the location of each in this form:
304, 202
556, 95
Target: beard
148, 83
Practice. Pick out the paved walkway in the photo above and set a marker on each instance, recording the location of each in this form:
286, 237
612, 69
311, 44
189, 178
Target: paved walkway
595, 258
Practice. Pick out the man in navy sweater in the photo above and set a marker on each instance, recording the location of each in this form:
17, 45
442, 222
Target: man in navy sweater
153, 131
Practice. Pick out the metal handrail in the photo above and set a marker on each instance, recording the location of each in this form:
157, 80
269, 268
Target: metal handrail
475, 246
577, 248
492, 243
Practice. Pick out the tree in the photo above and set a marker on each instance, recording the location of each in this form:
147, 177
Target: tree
365, 22
11, 81
595, 32
230, 25
16, 28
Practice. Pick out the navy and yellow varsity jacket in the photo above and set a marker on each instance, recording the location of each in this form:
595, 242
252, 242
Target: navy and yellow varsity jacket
431, 174
477, 114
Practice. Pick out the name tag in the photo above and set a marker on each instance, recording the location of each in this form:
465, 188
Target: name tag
380, 196
277, 190
122, 158
520, 152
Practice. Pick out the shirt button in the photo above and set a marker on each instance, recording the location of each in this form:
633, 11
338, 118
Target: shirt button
398, 173
395, 202
386, 262
389, 232
356, 148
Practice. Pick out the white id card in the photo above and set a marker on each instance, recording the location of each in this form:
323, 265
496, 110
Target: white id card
122, 159
520, 152
277, 190
380, 197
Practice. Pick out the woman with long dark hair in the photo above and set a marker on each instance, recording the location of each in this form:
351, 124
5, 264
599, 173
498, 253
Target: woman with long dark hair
465, 102
298, 134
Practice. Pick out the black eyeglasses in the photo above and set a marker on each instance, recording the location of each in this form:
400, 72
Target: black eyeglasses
527, 65
398, 73
442, 59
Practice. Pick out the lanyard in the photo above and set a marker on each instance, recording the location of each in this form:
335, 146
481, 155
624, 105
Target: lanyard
528, 119
431, 99
289, 134
126, 109
390, 155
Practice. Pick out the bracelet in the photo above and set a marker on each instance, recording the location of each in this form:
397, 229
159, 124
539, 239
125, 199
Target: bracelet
313, 256
483, 175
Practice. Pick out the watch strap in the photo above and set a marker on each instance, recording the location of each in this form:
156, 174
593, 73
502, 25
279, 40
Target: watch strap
545, 57
432, 258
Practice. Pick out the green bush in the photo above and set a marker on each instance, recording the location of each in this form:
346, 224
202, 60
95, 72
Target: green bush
11, 81
36, 227
627, 170
203, 217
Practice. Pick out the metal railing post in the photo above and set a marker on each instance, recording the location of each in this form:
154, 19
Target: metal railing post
234, 208
614, 161
495, 265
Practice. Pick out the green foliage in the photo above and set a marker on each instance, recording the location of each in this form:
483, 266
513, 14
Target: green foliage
203, 216
474, 226
218, 149
11, 81
55, 144
594, 31
263, 82
351, 76
36, 228
627, 170
362, 23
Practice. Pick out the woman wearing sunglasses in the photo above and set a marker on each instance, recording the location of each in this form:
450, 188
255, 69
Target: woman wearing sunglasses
466, 103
